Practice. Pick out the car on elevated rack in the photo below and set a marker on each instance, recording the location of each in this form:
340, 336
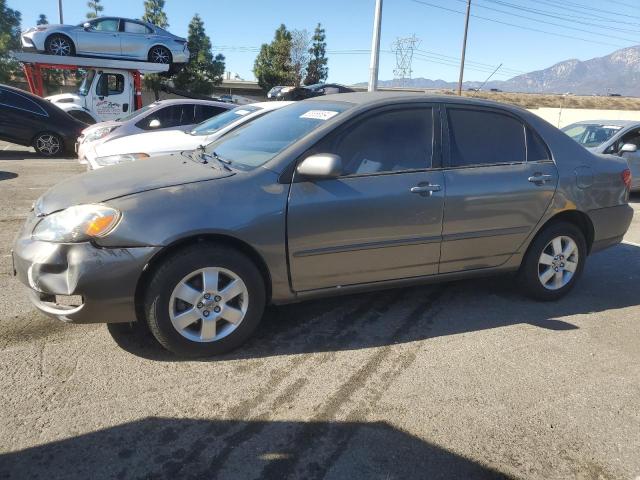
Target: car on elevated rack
110, 37
29, 120
153, 144
333, 195
307, 91
180, 114
611, 137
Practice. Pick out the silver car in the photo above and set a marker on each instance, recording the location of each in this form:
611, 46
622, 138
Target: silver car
108, 37
176, 114
613, 137
336, 194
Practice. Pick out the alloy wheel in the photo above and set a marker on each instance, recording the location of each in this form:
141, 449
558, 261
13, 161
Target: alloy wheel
159, 55
60, 46
558, 263
208, 304
48, 144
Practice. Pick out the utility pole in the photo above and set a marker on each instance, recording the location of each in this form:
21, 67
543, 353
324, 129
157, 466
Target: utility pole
60, 11
375, 48
464, 47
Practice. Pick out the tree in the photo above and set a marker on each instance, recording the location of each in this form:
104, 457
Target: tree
9, 40
42, 20
95, 9
317, 70
154, 13
300, 55
203, 71
273, 64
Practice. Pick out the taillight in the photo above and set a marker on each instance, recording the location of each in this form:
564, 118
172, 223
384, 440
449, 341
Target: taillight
626, 178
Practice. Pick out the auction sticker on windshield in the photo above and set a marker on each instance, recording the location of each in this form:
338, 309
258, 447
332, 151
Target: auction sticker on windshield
319, 114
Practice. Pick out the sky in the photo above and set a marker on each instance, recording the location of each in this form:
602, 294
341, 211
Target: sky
237, 28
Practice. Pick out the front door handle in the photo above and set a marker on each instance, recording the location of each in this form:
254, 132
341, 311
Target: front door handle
425, 189
540, 179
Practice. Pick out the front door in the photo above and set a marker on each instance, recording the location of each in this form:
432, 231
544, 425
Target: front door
382, 218
112, 95
102, 38
500, 180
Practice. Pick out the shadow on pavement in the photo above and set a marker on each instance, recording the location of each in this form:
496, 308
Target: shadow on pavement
27, 155
199, 449
611, 281
7, 175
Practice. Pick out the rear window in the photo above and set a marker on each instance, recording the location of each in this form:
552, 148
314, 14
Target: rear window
20, 102
482, 137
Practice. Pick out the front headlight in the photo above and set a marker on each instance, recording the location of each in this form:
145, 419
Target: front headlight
123, 158
97, 134
77, 224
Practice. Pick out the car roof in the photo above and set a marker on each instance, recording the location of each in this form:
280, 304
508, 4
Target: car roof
268, 105
25, 93
617, 123
196, 101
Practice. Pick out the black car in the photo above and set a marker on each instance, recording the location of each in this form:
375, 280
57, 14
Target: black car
308, 91
29, 120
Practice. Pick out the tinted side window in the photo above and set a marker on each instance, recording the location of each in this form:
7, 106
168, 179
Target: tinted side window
204, 112
167, 116
20, 102
536, 149
479, 137
386, 142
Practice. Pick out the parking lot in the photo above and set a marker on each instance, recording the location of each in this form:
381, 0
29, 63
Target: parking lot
459, 380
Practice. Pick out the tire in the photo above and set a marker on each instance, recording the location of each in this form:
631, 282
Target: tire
209, 325
160, 54
60, 45
49, 144
557, 237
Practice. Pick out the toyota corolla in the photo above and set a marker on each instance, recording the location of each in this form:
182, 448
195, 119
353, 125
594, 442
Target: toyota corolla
344, 193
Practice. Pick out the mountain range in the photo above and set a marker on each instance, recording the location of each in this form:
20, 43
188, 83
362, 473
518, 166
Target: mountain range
618, 72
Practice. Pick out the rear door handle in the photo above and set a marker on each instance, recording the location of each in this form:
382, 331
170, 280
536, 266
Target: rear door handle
539, 178
425, 189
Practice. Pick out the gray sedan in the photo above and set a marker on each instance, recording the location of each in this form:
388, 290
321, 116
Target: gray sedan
108, 37
613, 137
340, 194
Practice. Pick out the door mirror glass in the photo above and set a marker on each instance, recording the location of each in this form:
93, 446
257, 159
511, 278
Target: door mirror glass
321, 166
154, 123
86, 26
628, 148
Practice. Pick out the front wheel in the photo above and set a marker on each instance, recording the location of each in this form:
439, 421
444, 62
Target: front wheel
554, 262
48, 144
204, 300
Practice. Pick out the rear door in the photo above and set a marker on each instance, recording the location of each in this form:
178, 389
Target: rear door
103, 38
20, 117
499, 178
135, 39
382, 218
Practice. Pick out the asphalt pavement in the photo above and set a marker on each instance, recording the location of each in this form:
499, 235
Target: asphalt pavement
466, 379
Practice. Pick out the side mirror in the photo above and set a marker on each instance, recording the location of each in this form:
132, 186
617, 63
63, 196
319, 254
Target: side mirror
86, 26
155, 123
628, 148
324, 165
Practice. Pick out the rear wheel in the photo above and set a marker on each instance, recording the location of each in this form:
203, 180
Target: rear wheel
554, 262
48, 144
159, 54
204, 300
59, 45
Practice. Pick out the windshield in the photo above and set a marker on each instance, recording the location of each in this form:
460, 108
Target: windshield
591, 135
85, 86
137, 112
219, 121
261, 140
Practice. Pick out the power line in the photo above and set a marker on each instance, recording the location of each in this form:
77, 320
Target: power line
573, 37
594, 9
591, 16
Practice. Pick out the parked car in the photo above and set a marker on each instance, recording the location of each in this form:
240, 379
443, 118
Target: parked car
29, 120
111, 37
308, 91
613, 137
339, 194
159, 116
145, 145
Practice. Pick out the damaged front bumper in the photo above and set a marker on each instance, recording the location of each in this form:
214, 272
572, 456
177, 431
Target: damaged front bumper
80, 282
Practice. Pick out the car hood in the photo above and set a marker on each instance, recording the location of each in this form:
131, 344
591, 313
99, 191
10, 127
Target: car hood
64, 98
151, 143
126, 179
96, 126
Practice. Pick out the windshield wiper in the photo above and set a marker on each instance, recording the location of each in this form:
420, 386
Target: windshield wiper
204, 156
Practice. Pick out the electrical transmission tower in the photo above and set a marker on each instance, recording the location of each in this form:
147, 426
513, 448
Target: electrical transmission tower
403, 48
